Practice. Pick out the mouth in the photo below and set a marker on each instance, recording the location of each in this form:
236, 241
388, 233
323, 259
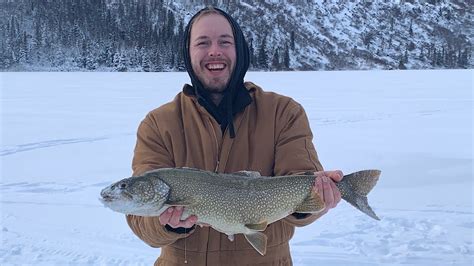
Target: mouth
106, 198
215, 67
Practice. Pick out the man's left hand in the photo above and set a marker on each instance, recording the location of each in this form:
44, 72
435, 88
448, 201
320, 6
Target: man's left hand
325, 187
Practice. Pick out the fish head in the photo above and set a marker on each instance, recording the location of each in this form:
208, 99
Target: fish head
136, 195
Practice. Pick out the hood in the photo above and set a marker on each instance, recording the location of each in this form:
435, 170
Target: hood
236, 96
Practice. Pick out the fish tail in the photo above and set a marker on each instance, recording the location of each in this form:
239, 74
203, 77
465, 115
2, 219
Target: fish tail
355, 187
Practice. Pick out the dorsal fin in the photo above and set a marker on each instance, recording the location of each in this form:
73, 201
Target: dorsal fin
190, 168
253, 174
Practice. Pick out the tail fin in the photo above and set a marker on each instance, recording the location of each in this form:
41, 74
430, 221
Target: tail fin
355, 187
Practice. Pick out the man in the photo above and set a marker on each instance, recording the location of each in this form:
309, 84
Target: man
224, 125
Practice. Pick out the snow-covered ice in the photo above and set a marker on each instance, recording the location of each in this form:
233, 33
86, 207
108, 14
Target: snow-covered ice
64, 136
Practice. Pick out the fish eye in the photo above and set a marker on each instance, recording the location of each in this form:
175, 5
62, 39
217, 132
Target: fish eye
122, 185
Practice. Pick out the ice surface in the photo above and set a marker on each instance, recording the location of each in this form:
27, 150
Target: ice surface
67, 135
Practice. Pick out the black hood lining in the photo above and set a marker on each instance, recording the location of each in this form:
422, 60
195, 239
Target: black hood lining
236, 96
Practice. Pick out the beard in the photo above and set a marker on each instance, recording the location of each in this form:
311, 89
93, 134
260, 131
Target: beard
216, 84
213, 81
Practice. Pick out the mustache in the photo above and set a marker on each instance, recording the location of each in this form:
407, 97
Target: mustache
216, 60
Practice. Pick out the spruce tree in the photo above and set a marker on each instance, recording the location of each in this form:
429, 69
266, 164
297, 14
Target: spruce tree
292, 40
262, 54
286, 58
276, 60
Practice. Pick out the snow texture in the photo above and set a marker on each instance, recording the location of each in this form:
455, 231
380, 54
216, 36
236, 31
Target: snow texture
65, 136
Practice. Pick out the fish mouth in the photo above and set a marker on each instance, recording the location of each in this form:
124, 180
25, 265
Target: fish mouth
107, 198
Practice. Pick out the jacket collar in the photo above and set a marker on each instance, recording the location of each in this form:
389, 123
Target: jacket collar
189, 90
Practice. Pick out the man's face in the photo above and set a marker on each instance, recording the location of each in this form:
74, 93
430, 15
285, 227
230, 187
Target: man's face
212, 51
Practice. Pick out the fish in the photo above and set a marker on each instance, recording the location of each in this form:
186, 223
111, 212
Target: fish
239, 203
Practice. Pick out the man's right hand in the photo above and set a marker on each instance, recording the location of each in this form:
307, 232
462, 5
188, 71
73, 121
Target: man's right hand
172, 217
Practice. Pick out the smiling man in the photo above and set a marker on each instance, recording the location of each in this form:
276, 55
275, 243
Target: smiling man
212, 51
221, 123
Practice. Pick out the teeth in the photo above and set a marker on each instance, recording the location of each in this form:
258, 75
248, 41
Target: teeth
215, 66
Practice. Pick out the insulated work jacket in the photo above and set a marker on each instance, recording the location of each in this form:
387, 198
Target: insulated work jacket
273, 137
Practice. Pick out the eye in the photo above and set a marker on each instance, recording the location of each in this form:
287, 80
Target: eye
122, 185
201, 44
226, 43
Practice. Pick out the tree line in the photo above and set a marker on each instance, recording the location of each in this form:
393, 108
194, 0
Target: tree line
145, 35
93, 35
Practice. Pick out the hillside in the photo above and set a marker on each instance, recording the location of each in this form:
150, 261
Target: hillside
119, 35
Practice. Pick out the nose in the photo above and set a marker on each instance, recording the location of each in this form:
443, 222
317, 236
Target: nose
215, 50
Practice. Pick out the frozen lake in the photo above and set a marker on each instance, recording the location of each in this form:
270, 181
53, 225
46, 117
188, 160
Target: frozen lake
64, 136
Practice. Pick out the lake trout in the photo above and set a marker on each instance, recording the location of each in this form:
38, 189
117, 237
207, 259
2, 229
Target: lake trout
238, 203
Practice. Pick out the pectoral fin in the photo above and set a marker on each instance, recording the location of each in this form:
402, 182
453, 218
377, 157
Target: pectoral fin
257, 227
258, 241
312, 204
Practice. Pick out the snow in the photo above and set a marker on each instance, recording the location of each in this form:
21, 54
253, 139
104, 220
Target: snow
65, 136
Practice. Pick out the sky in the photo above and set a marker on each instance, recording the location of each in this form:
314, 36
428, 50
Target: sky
65, 136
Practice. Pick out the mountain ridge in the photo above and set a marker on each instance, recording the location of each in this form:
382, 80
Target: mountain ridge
118, 35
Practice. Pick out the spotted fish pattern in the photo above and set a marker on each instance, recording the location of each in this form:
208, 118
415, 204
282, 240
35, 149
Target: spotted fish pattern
238, 203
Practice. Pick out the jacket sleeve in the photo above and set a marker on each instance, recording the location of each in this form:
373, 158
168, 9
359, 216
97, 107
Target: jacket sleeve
151, 153
295, 152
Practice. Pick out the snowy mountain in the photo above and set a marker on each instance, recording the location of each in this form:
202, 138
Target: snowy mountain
132, 35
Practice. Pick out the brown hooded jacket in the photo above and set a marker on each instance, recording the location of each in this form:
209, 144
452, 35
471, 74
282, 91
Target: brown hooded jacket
273, 137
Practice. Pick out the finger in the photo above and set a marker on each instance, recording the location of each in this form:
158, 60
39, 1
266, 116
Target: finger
176, 217
336, 175
328, 193
189, 222
319, 173
337, 194
165, 216
318, 187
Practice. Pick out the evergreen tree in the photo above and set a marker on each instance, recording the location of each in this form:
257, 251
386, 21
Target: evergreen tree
120, 62
434, 55
170, 25
91, 63
59, 58
148, 34
23, 50
262, 54
276, 60
253, 61
286, 58
146, 64
410, 30
401, 65
292, 40
422, 54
